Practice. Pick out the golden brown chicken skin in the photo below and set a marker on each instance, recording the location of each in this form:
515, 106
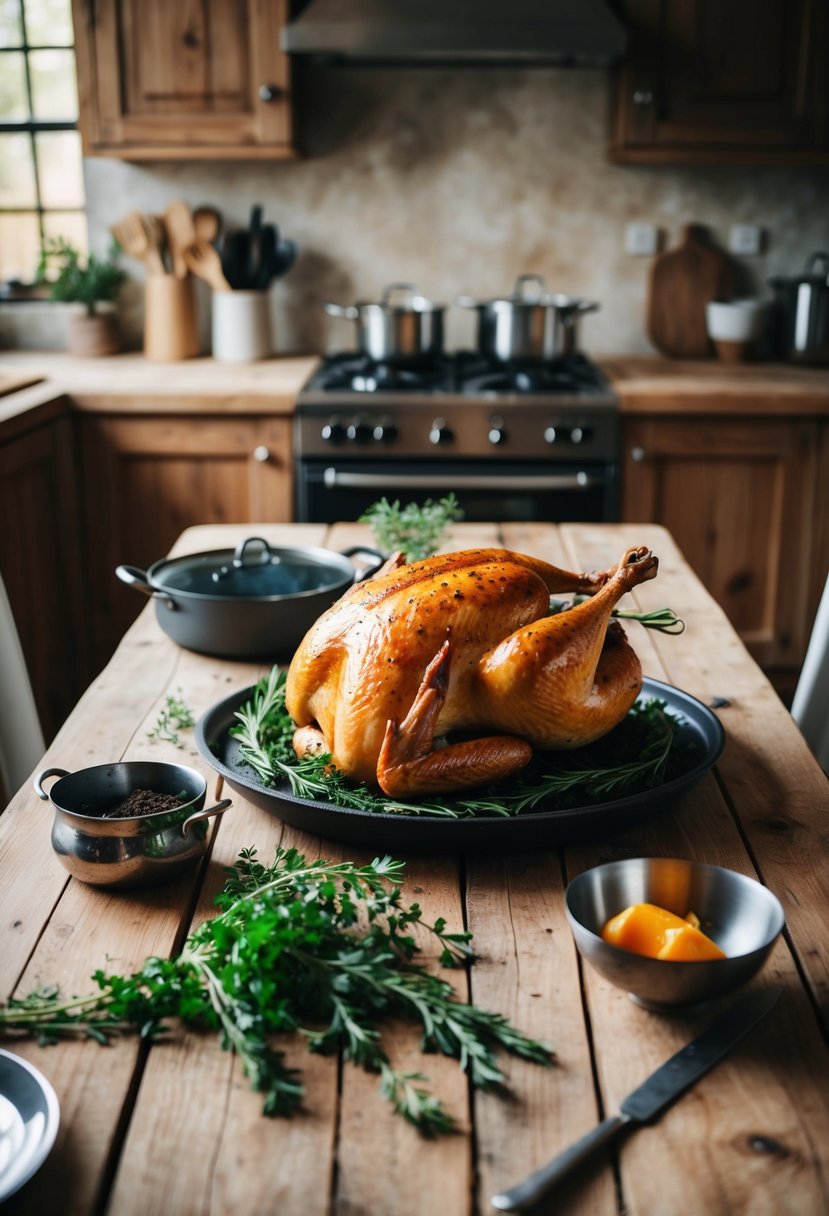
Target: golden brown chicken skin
463, 642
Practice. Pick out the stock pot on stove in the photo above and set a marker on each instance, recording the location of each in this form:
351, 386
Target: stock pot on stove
531, 325
403, 327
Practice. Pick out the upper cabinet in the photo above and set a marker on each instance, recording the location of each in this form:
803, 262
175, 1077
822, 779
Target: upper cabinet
723, 81
182, 79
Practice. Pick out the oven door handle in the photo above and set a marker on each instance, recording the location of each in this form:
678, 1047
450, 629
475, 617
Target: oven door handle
335, 478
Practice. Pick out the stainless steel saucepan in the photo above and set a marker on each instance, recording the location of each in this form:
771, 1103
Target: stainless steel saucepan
531, 325
403, 327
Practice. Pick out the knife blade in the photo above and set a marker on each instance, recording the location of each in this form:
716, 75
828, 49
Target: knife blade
650, 1099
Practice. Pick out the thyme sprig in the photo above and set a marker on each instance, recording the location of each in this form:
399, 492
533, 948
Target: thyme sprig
591, 774
419, 529
174, 715
323, 949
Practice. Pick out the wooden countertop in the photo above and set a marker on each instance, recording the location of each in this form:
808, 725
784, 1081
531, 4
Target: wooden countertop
130, 384
173, 1127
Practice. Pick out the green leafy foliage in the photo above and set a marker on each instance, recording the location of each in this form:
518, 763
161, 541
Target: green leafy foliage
97, 280
419, 529
174, 715
640, 753
323, 949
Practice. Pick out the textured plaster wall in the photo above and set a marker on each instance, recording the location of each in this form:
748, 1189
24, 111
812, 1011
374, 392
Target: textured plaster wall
458, 181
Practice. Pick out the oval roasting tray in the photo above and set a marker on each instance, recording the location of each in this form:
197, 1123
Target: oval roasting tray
427, 833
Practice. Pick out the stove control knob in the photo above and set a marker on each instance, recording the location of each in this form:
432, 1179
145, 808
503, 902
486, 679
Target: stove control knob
557, 434
441, 432
581, 434
333, 432
497, 431
358, 431
384, 431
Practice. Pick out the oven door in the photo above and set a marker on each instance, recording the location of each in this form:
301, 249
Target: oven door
523, 491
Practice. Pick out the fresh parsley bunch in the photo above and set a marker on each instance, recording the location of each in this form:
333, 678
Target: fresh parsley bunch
319, 948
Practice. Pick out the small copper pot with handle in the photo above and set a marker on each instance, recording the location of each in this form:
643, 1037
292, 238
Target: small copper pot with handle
138, 850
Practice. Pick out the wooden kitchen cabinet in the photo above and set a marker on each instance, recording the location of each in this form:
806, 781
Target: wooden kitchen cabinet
148, 477
747, 501
40, 562
196, 79
710, 82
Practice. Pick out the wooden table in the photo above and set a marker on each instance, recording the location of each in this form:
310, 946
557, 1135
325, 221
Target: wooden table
173, 1128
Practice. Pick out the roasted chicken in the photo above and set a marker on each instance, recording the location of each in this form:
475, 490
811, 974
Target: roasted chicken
463, 642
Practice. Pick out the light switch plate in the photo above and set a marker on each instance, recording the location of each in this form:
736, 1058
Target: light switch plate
745, 239
641, 239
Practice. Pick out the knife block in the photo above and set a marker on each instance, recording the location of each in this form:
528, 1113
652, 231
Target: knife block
170, 329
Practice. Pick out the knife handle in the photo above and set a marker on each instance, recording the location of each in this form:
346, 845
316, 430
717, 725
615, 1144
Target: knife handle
528, 1192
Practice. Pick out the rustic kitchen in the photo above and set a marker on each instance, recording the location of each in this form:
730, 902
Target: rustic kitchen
414, 437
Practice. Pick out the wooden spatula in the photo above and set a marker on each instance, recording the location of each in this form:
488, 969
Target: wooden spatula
181, 232
136, 237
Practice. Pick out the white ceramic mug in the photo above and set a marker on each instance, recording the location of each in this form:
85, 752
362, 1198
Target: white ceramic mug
241, 326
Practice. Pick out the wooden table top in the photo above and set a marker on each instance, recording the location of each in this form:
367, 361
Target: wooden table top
173, 1128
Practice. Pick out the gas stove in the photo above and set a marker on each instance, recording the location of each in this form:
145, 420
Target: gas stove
512, 440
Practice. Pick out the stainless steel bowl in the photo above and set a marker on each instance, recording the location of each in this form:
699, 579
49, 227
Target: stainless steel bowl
741, 915
137, 851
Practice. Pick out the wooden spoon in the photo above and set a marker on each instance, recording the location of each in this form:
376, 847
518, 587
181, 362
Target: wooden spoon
207, 222
133, 236
178, 220
204, 261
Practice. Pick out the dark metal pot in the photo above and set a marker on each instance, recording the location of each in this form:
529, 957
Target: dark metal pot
404, 327
139, 850
251, 602
802, 307
531, 325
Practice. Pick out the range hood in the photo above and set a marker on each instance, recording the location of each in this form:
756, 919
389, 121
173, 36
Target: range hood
564, 33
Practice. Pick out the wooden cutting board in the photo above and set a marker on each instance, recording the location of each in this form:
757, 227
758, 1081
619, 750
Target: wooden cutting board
682, 281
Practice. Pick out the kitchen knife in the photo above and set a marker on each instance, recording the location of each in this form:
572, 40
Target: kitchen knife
651, 1098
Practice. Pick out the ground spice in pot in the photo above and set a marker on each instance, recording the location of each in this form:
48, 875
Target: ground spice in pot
143, 802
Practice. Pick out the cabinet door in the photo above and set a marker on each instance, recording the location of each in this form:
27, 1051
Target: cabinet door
710, 81
40, 558
740, 498
199, 78
149, 478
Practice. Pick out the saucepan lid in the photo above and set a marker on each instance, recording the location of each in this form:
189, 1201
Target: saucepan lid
256, 570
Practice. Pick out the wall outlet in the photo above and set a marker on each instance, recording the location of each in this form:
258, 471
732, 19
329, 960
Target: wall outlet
745, 239
641, 240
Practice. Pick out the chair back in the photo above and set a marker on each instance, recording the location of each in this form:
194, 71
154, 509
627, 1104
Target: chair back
810, 707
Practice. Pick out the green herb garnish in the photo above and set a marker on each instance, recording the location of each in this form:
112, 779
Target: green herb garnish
175, 715
321, 949
640, 753
418, 529
663, 619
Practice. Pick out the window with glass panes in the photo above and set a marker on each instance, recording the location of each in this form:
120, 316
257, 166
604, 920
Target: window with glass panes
41, 176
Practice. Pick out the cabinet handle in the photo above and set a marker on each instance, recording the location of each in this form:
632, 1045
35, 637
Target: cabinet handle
270, 92
643, 97
262, 453
638, 454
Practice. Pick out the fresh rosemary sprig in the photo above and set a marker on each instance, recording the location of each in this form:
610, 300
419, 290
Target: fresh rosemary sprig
588, 775
175, 715
663, 619
322, 949
418, 529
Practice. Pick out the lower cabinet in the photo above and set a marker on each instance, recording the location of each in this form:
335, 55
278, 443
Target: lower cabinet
40, 562
747, 501
147, 477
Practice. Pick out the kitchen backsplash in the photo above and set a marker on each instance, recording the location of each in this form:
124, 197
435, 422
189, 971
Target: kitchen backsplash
456, 181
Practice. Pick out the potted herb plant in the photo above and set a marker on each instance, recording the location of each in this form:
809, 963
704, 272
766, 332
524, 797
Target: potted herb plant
92, 330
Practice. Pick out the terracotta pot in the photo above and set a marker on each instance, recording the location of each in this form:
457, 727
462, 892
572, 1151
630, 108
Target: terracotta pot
93, 335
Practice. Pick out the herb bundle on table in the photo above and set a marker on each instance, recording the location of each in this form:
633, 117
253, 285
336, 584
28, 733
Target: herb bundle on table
322, 949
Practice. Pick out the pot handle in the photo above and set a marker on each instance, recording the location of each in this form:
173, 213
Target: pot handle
349, 311
41, 777
207, 813
520, 285
134, 577
814, 260
239, 555
407, 290
376, 559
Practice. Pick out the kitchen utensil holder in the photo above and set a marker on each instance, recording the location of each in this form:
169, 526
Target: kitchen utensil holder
241, 326
170, 328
